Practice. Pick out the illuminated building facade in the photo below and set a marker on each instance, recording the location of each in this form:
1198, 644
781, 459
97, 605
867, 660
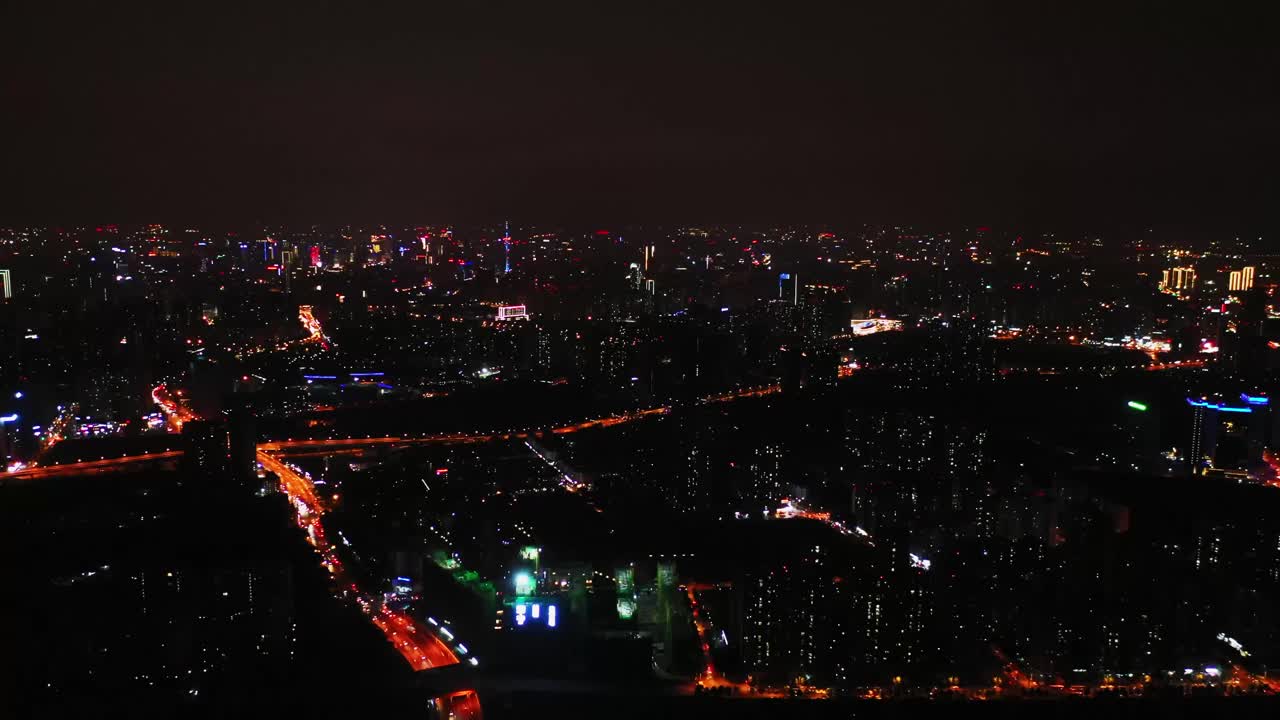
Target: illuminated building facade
1227, 437
1178, 278
786, 608
1241, 280
512, 312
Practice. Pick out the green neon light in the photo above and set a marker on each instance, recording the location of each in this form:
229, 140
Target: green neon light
524, 583
1137, 406
626, 608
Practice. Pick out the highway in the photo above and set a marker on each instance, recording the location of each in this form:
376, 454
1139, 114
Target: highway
312, 326
420, 646
295, 485
178, 414
90, 467
289, 445
174, 411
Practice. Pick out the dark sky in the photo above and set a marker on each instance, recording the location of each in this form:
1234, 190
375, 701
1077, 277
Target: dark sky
460, 110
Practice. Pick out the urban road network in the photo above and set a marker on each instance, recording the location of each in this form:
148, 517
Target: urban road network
425, 647
422, 646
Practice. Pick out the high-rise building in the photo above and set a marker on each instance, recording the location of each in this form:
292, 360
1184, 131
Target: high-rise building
1226, 437
6, 285
783, 609
1179, 278
1240, 280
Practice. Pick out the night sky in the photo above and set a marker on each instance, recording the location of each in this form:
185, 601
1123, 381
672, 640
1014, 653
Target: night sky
427, 112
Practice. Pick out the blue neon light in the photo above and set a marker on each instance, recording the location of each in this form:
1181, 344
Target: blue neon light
1217, 406
368, 374
1255, 399
320, 377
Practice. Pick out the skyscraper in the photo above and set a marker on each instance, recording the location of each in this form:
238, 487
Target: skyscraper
1240, 280
1226, 437
1179, 278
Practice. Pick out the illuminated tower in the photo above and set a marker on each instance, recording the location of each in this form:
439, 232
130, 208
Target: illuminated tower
506, 248
286, 258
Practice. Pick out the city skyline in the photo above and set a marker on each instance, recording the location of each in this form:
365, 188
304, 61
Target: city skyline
742, 360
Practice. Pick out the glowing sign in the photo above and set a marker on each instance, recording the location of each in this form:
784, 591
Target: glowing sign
529, 553
1255, 399
524, 585
1217, 406
626, 608
551, 616
870, 326
512, 312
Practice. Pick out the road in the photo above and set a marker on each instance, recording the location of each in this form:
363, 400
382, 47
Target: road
420, 646
286, 446
312, 326
171, 405
90, 467
422, 649
709, 677
295, 485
